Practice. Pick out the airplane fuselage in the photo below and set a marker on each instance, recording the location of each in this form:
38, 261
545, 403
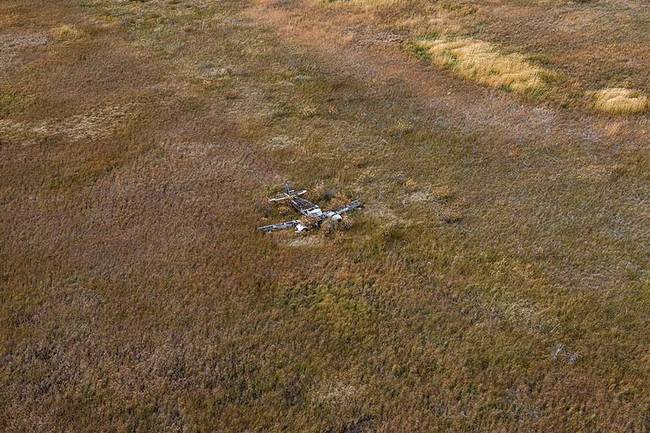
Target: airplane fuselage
314, 214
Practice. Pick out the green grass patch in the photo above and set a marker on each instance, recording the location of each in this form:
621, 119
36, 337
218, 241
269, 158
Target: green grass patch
84, 174
11, 102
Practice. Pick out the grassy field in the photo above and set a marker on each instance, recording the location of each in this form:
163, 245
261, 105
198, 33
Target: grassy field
498, 279
587, 47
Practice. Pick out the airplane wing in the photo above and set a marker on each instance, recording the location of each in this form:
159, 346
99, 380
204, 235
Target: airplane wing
349, 207
279, 226
288, 195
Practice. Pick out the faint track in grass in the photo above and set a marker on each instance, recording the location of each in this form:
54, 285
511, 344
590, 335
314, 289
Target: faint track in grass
342, 46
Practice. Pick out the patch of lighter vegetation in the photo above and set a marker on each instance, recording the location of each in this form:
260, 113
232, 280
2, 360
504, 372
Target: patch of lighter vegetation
365, 4
303, 241
281, 142
383, 213
418, 197
484, 63
104, 21
436, 194
13, 41
336, 393
597, 172
190, 149
619, 100
441, 201
16, 132
97, 123
523, 314
66, 32
212, 72
11, 44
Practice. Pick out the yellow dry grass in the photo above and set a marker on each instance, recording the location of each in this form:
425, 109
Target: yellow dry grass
483, 62
66, 32
619, 100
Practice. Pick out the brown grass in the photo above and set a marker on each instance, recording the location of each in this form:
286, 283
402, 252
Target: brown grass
489, 31
497, 280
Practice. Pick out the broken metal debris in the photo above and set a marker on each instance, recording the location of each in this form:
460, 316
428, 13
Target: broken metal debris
313, 215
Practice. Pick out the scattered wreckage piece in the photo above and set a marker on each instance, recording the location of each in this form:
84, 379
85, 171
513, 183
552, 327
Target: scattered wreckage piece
280, 226
313, 215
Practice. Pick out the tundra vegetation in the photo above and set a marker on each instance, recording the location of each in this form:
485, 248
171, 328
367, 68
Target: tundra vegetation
497, 280
620, 101
482, 62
